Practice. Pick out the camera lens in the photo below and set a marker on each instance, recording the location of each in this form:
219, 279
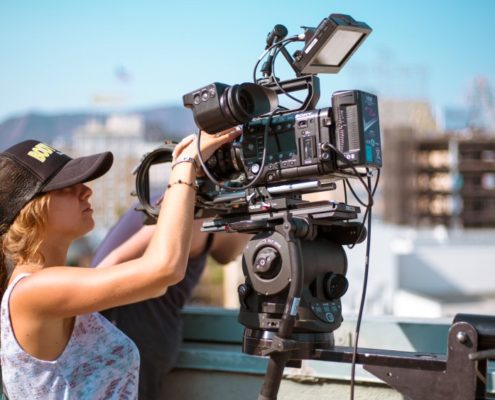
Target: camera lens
225, 163
219, 106
246, 101
238, 100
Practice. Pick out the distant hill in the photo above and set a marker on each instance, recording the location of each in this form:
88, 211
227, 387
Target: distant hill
171, 122
161, 122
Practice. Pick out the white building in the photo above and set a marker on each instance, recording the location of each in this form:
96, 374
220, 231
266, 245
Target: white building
123, 135
433, 273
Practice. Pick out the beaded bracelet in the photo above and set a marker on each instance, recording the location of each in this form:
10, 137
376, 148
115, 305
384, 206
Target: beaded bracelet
181, 182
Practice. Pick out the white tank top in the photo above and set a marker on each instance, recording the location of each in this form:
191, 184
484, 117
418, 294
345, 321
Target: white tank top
98, 362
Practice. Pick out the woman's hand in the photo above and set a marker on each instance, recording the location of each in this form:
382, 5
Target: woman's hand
63, 292
209, 144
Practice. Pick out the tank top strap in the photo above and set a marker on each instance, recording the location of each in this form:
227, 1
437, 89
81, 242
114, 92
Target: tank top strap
6, 296
11, 286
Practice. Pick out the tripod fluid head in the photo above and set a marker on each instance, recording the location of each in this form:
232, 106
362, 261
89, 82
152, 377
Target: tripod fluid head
297, 246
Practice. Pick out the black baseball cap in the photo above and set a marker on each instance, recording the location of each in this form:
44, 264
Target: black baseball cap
36, 168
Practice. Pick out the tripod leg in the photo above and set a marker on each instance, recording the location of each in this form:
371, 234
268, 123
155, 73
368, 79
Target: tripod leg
273, 376
278, 359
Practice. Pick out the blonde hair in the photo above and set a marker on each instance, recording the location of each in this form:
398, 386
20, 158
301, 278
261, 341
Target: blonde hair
21, 243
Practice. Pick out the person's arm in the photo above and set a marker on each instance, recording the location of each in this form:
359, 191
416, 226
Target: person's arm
227, 246
133, 247
56, 292
224, 249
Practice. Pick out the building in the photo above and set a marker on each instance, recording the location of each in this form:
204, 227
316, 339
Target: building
447, 180
123, 135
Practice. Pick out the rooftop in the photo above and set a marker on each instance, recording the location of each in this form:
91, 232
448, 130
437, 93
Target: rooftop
211, 364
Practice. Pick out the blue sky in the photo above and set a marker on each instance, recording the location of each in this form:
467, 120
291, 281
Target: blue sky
60, 56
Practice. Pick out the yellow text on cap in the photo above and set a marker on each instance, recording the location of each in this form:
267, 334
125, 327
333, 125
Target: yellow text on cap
41, 152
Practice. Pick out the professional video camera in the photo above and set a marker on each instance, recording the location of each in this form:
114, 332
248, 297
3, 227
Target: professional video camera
298, 145
295, 264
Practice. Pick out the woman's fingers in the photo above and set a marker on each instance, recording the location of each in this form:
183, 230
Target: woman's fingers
209, 143
220, 138
183, 144
229, 134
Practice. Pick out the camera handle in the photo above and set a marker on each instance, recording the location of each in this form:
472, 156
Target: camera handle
311, 83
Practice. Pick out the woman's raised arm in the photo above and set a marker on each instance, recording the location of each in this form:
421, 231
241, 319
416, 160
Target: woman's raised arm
69, 291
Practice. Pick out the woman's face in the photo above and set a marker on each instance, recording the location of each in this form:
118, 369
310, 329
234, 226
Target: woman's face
69, 211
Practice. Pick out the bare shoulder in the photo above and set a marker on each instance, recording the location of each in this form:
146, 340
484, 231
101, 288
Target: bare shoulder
65, 291
50, 279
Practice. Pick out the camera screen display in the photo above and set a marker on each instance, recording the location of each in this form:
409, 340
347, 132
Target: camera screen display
283, 144
280, 146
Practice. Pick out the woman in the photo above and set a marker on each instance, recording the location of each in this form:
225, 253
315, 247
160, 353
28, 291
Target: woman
53, 343
155, 325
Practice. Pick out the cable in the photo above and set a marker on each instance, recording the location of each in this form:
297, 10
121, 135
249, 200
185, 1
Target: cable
351, 246
263, 161
361, 305
356, 173
366, 218
274, 78
354, 193
279, 45
294, 38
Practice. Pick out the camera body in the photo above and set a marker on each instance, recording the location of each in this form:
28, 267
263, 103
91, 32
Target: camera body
298, 144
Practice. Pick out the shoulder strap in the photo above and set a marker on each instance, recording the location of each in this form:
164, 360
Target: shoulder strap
8, 290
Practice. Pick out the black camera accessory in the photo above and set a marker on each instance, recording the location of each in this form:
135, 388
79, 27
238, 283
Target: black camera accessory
278, 33
330, 45
357, 128
161, 154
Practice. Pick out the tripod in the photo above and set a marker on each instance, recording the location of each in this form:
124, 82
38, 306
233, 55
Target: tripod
290, 305
295, 270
